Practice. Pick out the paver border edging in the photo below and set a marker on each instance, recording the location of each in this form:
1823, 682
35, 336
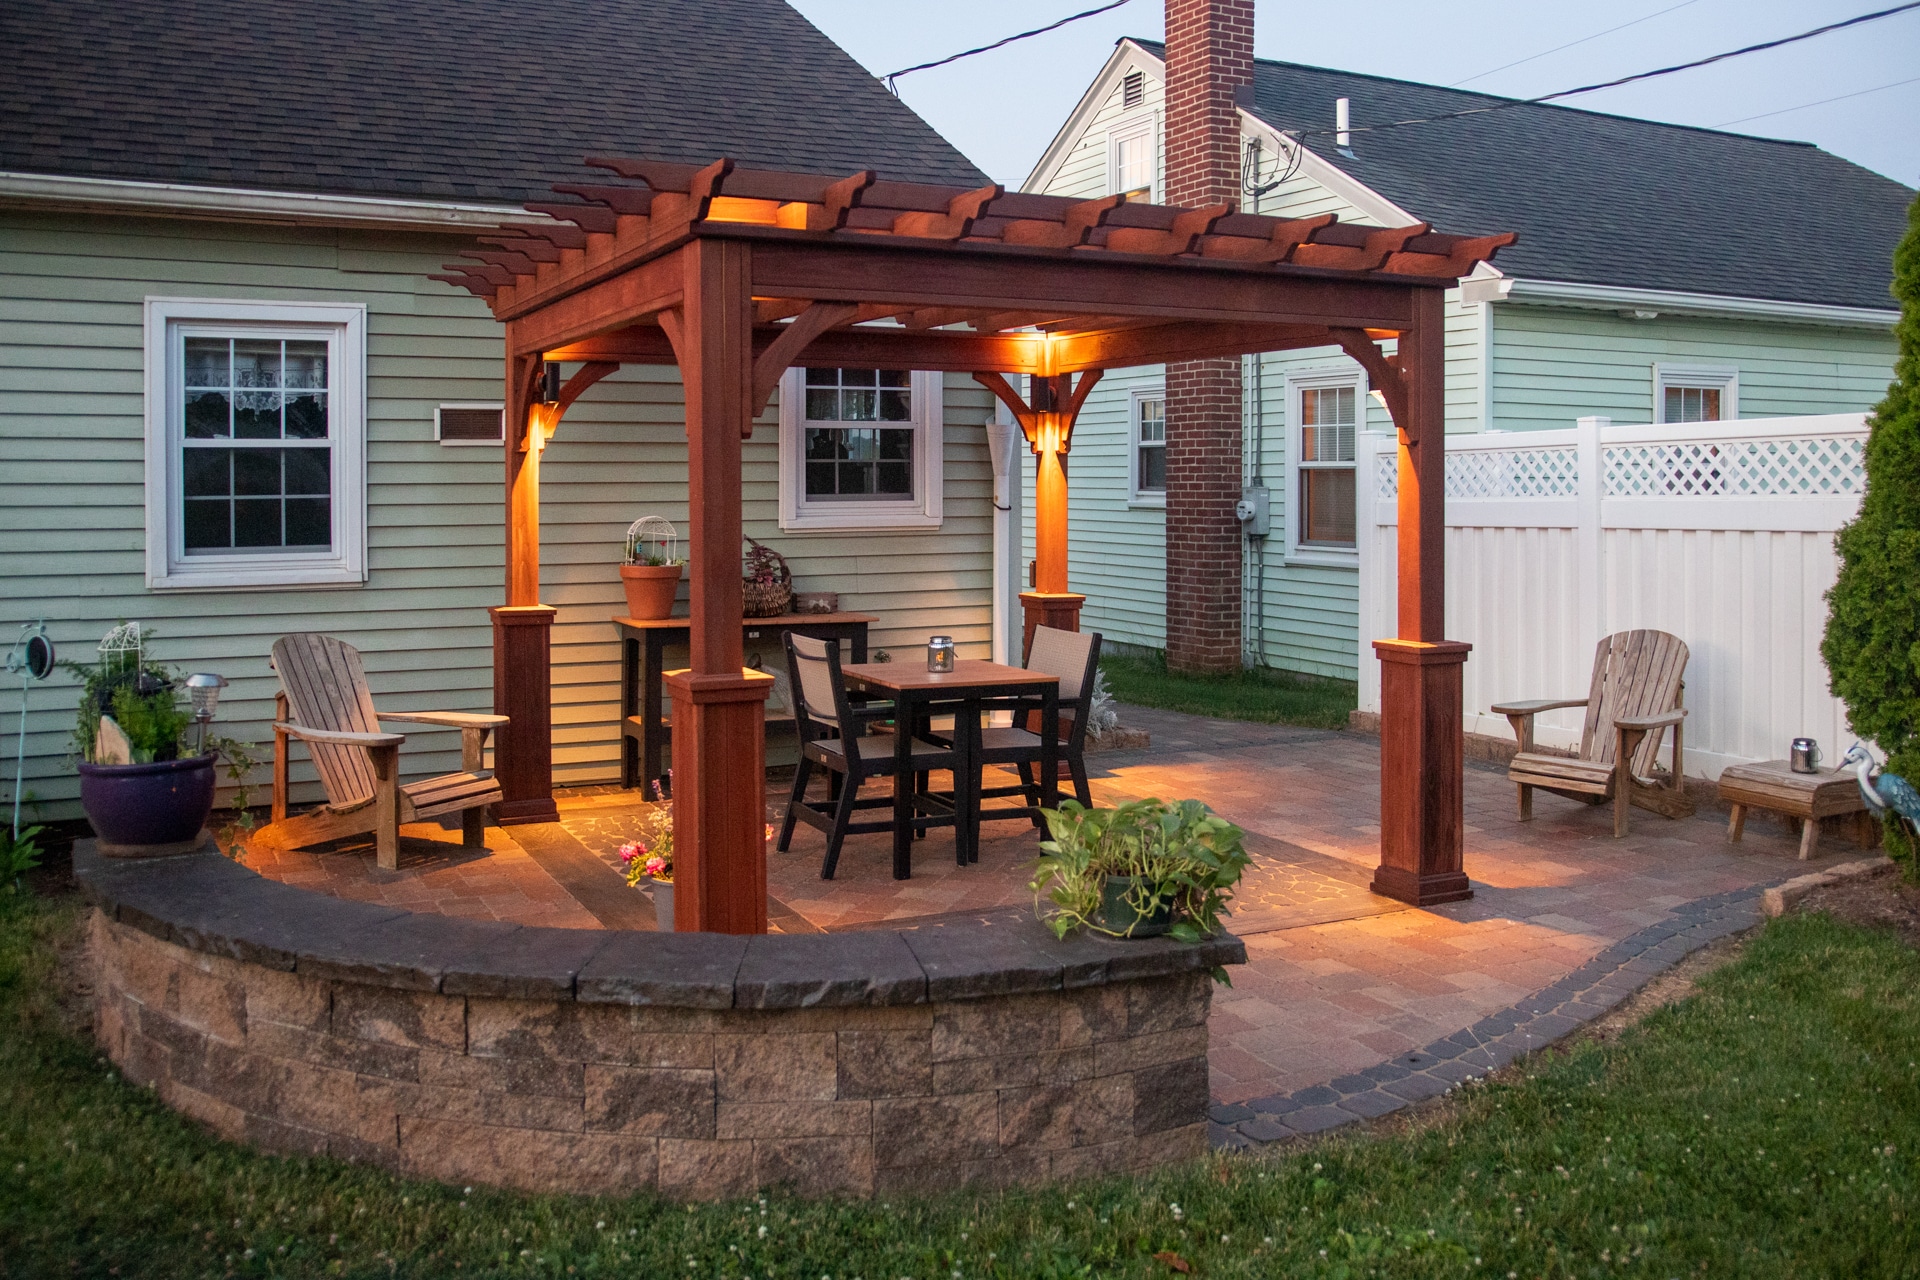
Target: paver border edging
1548, 1015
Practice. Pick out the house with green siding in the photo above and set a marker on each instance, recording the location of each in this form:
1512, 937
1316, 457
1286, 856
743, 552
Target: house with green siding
234, 404
1662, 274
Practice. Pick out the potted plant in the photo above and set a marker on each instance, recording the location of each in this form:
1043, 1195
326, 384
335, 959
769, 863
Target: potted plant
649, 859
650, 573
1140, 870
144, 789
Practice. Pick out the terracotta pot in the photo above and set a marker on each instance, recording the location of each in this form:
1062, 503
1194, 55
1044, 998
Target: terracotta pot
650, 589
148, 810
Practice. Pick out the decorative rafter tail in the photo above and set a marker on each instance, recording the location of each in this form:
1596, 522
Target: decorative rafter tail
839, 200
471, 283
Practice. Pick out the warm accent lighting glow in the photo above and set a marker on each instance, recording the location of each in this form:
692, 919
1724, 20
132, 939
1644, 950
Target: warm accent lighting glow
740, 209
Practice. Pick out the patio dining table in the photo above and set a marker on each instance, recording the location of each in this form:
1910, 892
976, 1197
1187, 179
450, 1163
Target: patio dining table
918, 695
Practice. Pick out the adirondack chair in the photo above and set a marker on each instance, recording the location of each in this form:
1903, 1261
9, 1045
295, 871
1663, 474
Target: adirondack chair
1638, 688
324, 702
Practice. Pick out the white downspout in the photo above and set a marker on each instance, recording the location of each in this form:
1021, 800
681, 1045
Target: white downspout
1003, 439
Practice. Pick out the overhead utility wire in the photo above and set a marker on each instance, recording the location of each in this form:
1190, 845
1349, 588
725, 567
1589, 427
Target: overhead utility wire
1821, 103
1611, 84
1535, 57
987, 48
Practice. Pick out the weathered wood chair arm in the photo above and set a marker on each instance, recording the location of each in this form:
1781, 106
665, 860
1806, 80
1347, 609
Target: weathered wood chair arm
445, 719
1644, 723
339, 738
1520, 715
1535, 708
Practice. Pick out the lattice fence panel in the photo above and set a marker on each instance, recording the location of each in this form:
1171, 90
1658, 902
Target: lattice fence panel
1499, 473
1807, 466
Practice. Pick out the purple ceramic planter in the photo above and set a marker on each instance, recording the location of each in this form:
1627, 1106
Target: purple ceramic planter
148, 809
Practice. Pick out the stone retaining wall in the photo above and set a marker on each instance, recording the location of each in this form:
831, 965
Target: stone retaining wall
698, 1064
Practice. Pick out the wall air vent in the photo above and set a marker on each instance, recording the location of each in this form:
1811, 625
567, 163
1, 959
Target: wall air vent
469, 423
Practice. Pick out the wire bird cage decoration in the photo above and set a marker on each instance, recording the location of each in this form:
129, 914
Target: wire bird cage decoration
653, 540
766, 581
120, 641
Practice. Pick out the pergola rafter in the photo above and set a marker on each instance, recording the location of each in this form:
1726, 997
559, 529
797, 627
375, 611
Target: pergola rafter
737, 274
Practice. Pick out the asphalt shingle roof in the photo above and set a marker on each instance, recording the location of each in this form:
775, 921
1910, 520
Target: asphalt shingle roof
1602, 199
439, 99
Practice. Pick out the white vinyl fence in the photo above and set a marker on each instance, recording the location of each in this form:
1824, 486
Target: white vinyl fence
1719, 532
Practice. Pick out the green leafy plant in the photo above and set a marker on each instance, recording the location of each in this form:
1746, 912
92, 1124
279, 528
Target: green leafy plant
143, 697
237, 761
1180, 856
155, 721
19, 853
1872, 643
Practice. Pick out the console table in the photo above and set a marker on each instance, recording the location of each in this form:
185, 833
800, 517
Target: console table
644, 729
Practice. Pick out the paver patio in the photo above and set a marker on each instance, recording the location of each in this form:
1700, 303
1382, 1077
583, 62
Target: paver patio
1338, 978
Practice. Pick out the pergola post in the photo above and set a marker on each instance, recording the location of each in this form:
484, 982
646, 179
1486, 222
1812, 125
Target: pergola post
523, 627
1422, 776
1046, 418
719, 743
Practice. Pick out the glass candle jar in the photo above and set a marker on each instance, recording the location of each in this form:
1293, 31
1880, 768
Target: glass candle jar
940, 653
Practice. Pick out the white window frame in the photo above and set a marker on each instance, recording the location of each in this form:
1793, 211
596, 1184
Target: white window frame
924, 510
1724, 377
1145, 124
1136, 496
1314, 379
344, 325
496, 405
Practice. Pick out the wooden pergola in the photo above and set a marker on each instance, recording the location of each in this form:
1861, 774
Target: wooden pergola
737, 274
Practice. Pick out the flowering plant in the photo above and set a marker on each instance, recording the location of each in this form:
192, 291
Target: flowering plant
649, 855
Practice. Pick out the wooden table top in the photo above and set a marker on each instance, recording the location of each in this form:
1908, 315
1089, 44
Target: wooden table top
1833, 790
967, 673
778, 620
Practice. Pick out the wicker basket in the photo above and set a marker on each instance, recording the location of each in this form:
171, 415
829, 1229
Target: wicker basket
766, 581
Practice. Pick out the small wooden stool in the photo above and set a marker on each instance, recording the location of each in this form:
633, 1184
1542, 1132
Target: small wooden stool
1809, 797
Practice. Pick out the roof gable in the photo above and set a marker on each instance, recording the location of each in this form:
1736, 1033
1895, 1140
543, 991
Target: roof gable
1604, 199
453, 99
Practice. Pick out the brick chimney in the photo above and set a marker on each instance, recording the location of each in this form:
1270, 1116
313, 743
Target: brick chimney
1209, 57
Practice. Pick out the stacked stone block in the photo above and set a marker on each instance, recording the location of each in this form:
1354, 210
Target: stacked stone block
454, 1072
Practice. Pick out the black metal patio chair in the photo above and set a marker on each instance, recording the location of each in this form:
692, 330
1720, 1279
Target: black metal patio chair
834, 735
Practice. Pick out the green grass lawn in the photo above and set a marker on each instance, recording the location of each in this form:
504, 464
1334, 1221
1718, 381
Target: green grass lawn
1766, 1127
1262, 694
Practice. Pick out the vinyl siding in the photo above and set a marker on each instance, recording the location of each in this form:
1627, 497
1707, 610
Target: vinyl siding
1555, 364
72, 491
1547, 366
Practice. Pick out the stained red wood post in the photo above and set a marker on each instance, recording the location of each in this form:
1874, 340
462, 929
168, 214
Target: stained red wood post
1422, 773
719, 743
522, 629
1050, 603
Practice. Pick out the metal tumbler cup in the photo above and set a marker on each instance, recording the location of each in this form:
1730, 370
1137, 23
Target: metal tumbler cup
1804, 756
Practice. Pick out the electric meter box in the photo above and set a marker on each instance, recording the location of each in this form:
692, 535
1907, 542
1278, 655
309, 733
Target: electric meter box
1253, 511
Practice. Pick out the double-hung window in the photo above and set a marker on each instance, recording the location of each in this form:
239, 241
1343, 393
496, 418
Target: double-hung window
859, 449
1130, 158
1325, 410
254, 444
1695, 393
1149, 447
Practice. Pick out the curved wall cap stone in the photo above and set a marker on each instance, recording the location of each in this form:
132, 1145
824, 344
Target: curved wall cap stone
204, 902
